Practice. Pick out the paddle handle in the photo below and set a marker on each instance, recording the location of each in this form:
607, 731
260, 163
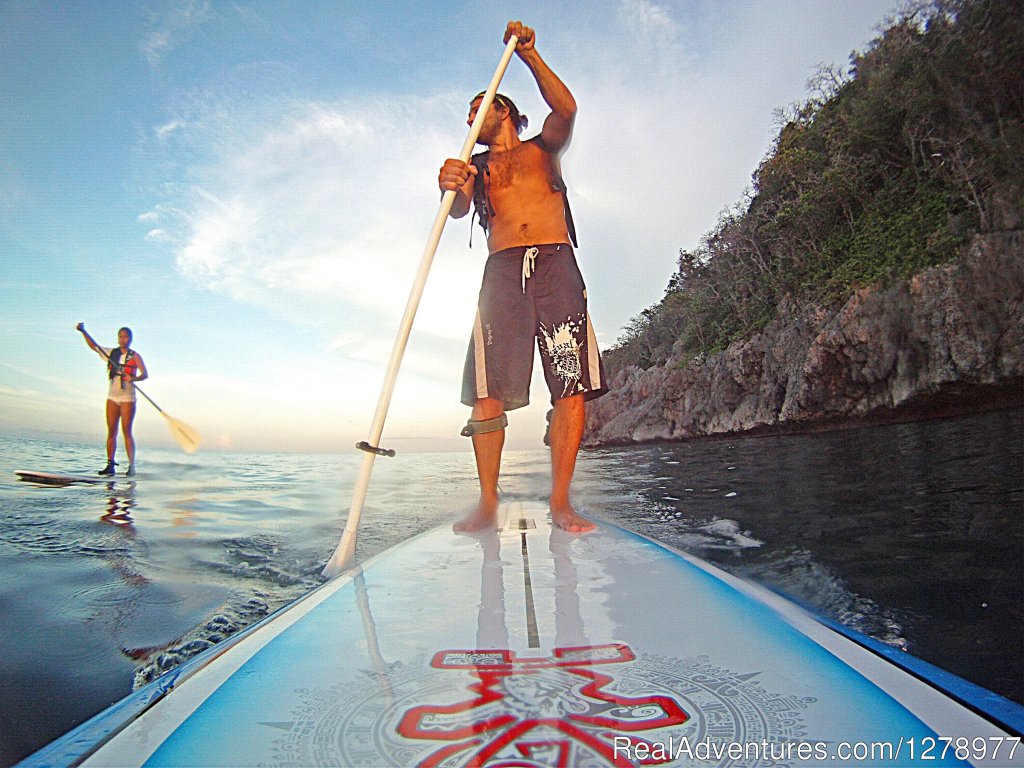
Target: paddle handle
345, 551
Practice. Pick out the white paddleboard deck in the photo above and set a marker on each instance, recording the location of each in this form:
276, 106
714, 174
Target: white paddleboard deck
531, 646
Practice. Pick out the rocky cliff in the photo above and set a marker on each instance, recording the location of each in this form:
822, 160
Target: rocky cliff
941, 339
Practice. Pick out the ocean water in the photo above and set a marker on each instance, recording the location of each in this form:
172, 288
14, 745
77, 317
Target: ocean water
913, 533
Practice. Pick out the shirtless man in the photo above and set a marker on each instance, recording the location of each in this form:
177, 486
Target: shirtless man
532, 288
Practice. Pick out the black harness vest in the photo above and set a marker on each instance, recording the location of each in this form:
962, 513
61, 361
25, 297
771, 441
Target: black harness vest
483, 209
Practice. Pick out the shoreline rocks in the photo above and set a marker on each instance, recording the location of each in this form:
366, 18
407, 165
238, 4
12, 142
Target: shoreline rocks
947, 340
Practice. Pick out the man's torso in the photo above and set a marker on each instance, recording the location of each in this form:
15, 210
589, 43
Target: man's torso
526, 200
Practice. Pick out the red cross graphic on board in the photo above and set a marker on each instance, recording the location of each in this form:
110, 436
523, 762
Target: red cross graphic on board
557, 710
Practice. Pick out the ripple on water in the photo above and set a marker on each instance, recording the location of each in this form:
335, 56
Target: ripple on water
240, 612
797, 574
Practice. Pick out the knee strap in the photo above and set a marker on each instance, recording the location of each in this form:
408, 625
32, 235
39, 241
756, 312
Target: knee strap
482, 426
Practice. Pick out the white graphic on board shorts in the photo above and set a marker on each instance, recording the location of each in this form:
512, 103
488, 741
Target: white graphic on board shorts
564, 353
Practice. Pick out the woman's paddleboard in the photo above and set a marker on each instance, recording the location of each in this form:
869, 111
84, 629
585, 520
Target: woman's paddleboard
530, 646
60, 478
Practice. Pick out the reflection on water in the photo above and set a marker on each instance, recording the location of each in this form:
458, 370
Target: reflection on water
120, 504
118, 513
913, 533
561, 603
492, 628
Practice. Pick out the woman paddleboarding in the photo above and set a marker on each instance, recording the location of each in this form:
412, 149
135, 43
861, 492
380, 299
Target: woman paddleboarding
124, 368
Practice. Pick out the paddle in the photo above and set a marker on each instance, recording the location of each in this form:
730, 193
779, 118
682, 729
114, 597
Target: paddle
344, 554
187, 438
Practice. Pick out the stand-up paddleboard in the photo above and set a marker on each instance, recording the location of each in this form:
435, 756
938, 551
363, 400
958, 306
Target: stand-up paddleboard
61, 478
530, 647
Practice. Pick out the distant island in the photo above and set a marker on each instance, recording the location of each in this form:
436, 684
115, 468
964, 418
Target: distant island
875, 269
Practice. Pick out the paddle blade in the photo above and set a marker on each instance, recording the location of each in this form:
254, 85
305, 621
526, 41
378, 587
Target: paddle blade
186, 437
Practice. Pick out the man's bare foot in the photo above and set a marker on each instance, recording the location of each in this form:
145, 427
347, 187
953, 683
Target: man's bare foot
483, 517
565, 517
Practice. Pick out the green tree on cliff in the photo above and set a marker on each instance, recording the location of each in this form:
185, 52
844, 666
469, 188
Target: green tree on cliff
883, 171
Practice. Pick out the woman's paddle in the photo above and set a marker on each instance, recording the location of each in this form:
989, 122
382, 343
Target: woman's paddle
344, 554
183, 434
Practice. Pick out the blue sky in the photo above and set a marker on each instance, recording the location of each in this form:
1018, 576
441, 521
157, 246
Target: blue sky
249, 186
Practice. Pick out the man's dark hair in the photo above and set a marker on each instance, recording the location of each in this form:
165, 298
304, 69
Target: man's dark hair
518, 120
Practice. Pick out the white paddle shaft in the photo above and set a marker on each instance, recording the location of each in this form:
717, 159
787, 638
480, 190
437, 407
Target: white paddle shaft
344, 554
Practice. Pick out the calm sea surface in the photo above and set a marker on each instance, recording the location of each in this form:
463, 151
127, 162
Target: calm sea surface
913, 533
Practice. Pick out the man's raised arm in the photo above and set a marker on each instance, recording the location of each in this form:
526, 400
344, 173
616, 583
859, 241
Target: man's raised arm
557, 128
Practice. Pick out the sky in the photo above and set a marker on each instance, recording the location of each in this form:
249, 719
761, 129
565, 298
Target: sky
249, 186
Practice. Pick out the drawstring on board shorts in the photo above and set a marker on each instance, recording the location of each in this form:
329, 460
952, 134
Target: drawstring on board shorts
529, 263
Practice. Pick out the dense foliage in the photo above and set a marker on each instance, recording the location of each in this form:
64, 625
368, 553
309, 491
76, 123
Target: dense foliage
886, 169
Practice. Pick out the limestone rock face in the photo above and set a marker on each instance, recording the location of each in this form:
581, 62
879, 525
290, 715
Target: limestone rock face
948, 332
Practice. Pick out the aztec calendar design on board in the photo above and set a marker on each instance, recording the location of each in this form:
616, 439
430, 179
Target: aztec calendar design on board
574, 707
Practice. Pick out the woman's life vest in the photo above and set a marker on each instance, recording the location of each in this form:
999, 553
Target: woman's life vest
127, 370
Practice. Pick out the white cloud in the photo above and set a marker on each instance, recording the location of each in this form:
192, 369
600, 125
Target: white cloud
158, 236
652, 35
162, 132
170, 29
322, 219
